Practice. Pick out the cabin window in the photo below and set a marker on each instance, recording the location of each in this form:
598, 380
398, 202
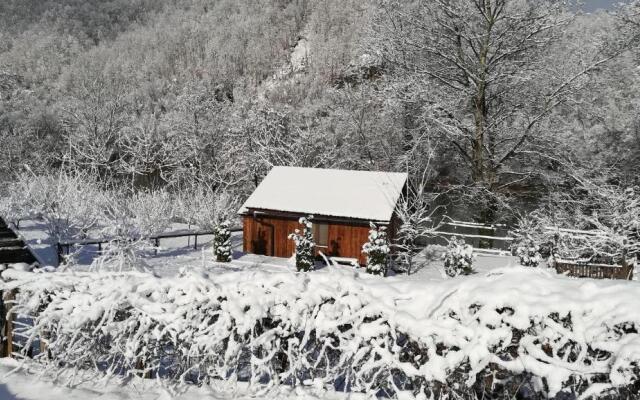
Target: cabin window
321, 234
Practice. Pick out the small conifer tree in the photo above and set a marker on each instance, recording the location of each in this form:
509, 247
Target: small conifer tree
305, 245
376, 250
458, 258
222, 242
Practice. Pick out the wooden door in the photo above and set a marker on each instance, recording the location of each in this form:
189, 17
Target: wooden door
262, 240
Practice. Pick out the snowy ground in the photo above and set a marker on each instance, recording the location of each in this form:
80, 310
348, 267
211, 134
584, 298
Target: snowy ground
419, 305
173, 254
35, 236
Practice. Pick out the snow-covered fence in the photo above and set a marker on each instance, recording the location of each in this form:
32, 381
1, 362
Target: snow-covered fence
489, 238
509, 331
14, 331
13, 249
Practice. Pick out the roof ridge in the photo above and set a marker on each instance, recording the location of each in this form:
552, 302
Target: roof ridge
338, 169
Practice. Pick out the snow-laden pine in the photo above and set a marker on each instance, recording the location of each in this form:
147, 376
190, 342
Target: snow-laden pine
305, 245
222, 242
510, 330
377, 249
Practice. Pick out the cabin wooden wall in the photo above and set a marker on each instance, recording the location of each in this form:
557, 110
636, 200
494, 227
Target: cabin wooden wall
268, 235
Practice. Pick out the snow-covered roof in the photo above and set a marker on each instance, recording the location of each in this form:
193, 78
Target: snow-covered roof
366, 195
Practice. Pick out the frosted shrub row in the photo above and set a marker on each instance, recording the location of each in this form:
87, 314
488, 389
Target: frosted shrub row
512, 331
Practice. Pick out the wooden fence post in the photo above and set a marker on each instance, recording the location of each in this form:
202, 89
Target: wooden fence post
7, 332
44, 349
59, 252
142, 372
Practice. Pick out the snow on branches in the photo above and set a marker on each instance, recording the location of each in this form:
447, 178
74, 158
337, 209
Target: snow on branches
204, 206
68, 202
415, 214
376, 250
305, 245
601, 224
458, 258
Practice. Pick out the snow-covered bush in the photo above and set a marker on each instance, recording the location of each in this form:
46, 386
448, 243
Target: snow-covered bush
533, 243
507, 334
528, 252
376, 250
305, 245
458, 258
222, 242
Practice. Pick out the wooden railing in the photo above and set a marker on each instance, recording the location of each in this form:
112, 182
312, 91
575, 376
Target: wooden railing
13, 249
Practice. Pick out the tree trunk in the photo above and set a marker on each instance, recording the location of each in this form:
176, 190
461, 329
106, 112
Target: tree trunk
477, 148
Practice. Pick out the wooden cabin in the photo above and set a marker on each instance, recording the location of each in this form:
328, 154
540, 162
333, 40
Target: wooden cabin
343, 204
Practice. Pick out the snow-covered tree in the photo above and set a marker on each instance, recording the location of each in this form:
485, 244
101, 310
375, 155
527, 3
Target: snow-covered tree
129, 221
222, 242
458, 258
415, 213
486, 78
69, 202
206, 207
305, 245
17, 199
529, 245
152, 212
377, 249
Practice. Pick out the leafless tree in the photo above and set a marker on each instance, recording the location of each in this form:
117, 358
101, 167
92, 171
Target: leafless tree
494, 70
415, 211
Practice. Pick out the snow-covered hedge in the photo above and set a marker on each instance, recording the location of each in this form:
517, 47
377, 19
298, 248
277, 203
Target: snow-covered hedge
514, 330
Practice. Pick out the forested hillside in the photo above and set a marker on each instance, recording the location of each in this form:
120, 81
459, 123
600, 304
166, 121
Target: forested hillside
502, 105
